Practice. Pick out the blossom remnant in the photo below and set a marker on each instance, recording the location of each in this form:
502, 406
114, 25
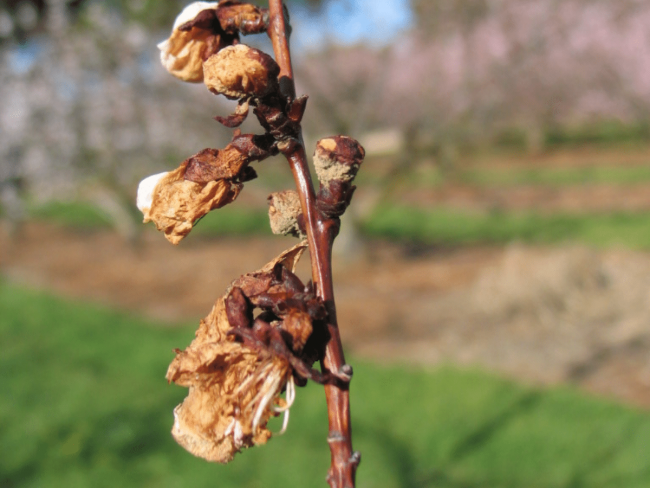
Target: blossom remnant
285, 213
204, 28
210, 179
240, 72
234, 389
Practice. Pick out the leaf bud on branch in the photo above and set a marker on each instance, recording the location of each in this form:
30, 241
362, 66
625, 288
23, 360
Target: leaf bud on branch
285, 214
336, 161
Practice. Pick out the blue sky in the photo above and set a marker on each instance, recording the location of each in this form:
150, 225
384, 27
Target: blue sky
349, 22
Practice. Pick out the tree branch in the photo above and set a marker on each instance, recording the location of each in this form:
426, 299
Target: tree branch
321, 232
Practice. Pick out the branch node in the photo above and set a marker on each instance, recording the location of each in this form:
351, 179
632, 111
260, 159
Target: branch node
355, 459
346, 371
335, 436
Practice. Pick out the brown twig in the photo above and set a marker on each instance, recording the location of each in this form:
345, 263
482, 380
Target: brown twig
321, 232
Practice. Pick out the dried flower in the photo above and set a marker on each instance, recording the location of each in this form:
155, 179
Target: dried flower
185, 50
175, 200
202, 29
241, 72
233, 389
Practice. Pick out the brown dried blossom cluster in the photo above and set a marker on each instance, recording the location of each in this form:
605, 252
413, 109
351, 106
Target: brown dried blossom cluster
262, 337
204, 28
237, 367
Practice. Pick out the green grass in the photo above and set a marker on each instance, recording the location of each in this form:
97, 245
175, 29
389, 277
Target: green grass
553, 177
228, 220
621, 175
450, 227
429, 226
234, 220
73, 213
84, 403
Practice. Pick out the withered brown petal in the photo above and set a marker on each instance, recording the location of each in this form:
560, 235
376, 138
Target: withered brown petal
237, 118
214, 164
238, 309
206, 19
242, 17
178, 203
298, 324
240, 72
261, 280
255, 147
231, 391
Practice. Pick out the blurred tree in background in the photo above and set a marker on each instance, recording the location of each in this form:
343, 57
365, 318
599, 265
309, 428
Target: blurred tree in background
86, 108
478, 73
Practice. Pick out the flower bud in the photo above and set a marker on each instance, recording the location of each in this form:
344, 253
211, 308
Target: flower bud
241, 72
284, 213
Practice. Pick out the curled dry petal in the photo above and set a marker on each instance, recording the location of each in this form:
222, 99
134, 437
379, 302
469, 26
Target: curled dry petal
298, 324
232, 391
185, 51
260, 281
243, 17
256, 147
240, 72
214, 164
284, 211
237, 118
174, 203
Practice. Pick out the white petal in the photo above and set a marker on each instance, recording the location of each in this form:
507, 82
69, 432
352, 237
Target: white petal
191, 11
146, 190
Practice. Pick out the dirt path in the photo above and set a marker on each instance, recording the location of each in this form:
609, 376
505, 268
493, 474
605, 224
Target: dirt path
543, 315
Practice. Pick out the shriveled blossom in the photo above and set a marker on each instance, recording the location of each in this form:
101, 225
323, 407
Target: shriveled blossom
202, 29
233, 389
240, 72
175, 200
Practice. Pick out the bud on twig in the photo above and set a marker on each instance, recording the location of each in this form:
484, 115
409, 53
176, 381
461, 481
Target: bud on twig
336, 160
285, 214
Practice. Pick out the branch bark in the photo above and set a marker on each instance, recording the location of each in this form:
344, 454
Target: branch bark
321, 232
